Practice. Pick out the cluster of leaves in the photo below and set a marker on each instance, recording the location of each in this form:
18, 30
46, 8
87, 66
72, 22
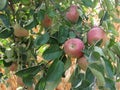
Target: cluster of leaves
104, 68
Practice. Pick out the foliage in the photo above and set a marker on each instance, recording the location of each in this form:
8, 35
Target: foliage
47, 43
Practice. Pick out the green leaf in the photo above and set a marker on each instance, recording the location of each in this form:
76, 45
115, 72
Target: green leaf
116, 20
99, 50
62, 34
29, 72
94, 57
100, 78
112, 29
72, 34
76, 77
31, 24
110, 84
28, 81
3, 4
41, 84
54, 75
25, 2
98, 66
87, 3
40, 15
108, 68
115, 48
84, 86
52, 52
5, 20
5, 32
67, 62
43, 39
109, 5
89, 76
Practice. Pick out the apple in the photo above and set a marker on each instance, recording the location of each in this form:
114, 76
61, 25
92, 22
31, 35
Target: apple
47, 21
20, 31
72, 15
3, 86
13, 66
96, 34
73, 47
83, 63
20, 81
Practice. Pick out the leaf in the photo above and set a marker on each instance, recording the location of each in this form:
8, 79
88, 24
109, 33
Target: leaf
28, 81
100, 78
76, 78
25, 2
52, 52
109, 5
3, 4
116, 20
5, 32
94, 57
62, 34
31, 24
112, 29
40, 15
43, 39
41, 84
108, 68
89, 76
110, 84
99, 50
87, 3
5, 20
67, 62
115, 48
84, 86
32, 71
54, 75
72, 34
28, 74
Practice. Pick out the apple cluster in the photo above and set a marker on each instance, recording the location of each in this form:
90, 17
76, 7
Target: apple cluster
74, 47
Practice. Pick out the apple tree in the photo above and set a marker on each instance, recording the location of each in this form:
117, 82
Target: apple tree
59, 44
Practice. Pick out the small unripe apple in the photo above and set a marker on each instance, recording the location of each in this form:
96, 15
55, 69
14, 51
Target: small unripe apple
96, 34
72, 15
73, 47
20, 31
83, 63
47, 21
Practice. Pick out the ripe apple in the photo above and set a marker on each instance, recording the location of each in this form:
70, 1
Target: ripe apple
47, 21
96, 34
20, 31
73, 47
83, 63
72, 15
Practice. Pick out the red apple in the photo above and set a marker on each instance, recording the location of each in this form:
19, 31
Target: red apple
83, 63
13, 67
47, 21
72, 15
73, 47
96, 34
